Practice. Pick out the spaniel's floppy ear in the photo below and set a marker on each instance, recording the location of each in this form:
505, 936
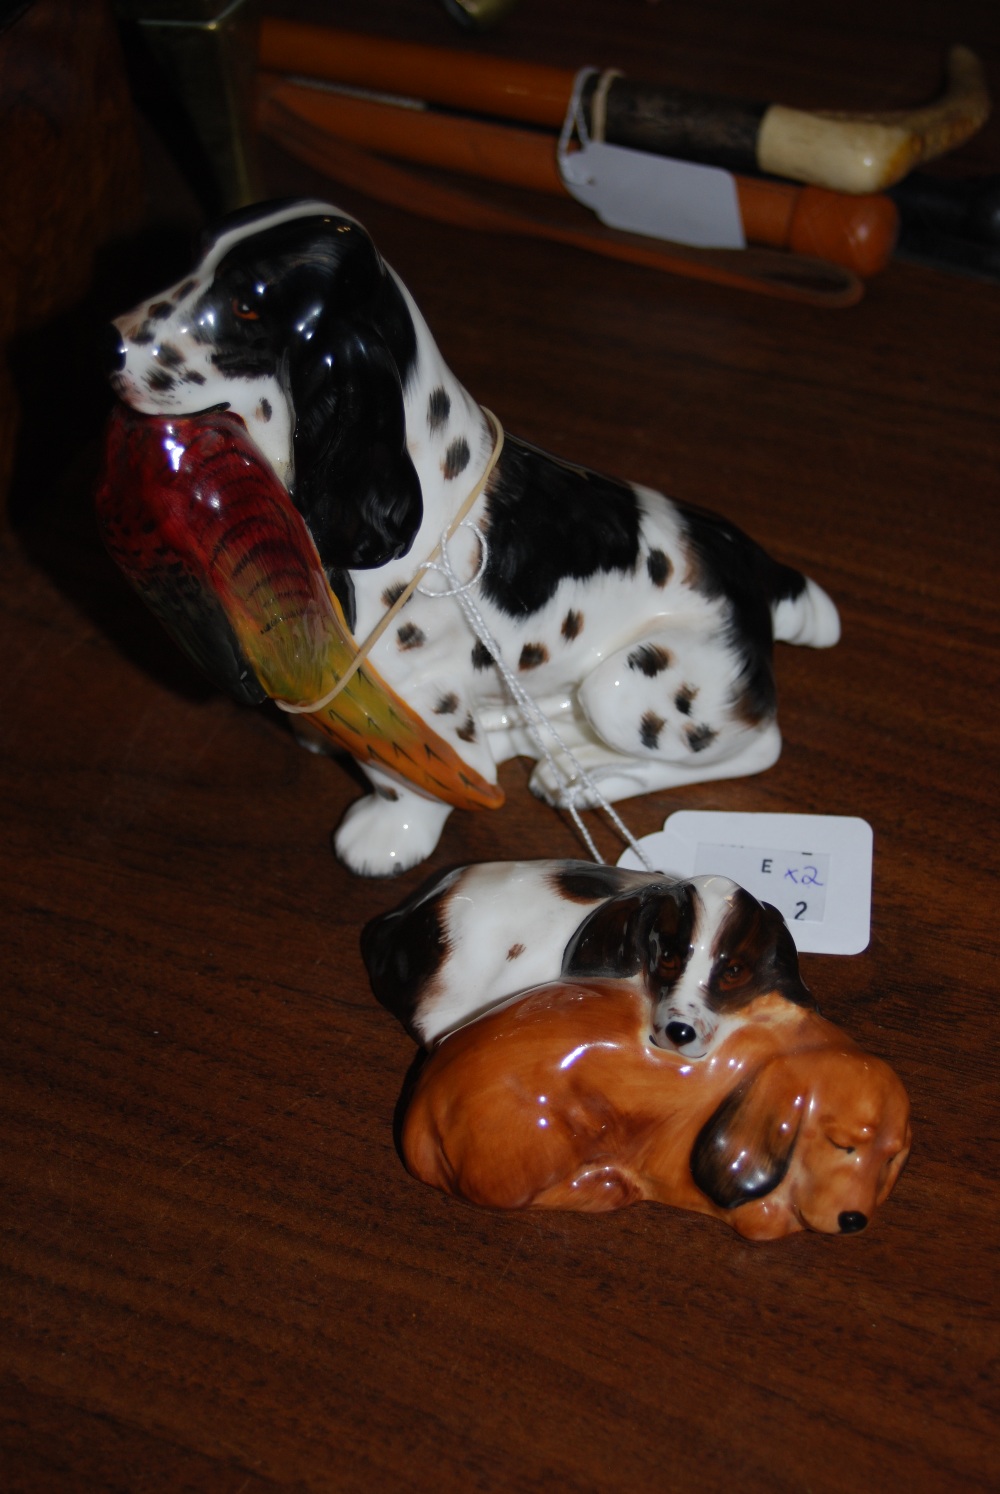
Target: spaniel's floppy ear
354, 481
628, 932
743, 1151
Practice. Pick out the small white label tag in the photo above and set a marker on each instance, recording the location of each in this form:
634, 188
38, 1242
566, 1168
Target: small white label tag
655, 195
815, 868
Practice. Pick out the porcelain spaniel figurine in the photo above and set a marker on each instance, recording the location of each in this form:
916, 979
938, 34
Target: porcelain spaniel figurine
644, 626
598, 1036
559, 1100
700, 950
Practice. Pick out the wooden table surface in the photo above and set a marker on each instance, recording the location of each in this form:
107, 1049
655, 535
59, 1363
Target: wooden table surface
215, 1272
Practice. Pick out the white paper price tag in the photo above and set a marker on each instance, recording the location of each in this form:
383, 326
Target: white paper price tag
655, 195
815, 868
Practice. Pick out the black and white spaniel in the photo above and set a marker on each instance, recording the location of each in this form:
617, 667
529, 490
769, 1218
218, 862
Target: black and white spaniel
700, 950
642, 627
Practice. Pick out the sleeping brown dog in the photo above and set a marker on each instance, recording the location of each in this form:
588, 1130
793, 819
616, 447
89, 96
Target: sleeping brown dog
559, 1100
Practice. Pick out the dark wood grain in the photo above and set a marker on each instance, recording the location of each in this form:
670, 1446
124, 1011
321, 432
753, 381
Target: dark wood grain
69, 182
215, 1273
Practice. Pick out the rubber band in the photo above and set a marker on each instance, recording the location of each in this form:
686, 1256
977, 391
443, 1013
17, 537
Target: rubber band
599, 102
376, 633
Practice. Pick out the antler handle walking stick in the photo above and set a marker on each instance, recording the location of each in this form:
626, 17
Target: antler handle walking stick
845, 152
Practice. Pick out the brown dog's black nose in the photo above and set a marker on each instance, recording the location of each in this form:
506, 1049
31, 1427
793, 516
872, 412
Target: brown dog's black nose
113, 349
680, 1034
851, 1221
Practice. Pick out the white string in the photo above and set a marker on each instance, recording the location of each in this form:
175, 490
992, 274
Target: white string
535, 720
460, 587
574, 124
574, 121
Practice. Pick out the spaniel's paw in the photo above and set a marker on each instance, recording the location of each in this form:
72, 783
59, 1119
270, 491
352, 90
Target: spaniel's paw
380, 837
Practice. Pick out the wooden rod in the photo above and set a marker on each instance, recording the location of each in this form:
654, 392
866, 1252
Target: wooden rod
786, 276
527, 91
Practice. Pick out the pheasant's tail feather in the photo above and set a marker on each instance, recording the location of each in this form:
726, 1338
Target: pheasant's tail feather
195, 517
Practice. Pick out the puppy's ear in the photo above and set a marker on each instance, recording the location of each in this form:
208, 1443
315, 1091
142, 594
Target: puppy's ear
625, 934
743, 1151
404, 949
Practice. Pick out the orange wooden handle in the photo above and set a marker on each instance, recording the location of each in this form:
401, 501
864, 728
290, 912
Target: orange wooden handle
856, 232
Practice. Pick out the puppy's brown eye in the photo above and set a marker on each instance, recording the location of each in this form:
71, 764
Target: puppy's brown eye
734, 973
244, 310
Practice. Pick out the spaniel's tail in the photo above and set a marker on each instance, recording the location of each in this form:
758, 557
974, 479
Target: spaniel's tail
801, 612
729, 563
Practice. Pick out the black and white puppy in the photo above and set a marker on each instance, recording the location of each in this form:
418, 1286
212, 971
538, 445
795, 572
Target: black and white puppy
643, 627
702, 950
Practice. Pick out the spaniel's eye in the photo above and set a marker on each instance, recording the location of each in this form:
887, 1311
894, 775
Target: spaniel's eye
244, 310
733, 973
668, 967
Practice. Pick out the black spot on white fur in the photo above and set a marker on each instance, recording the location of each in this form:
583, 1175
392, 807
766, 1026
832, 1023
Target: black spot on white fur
481, 656
447, 705
438, 408
467, 730
410, 636
572, 625
659, 567
649, 730
169, 356
700, 737
533, 655
650, 660
684, 699
456, 458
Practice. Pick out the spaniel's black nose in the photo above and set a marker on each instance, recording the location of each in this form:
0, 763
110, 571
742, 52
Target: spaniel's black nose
113, 349
851, 1221
680, 1034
